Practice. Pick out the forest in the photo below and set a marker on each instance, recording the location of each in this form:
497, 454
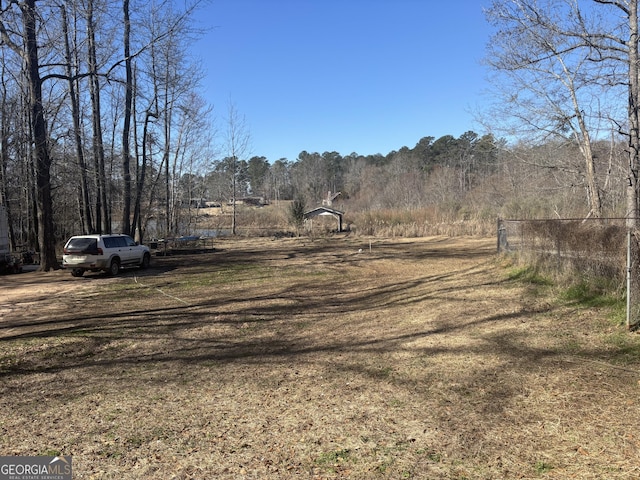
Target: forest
103, 128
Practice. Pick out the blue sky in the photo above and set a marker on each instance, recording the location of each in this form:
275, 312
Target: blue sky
364, 76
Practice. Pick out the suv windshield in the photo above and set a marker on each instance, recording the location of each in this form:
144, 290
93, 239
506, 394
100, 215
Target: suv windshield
83, 245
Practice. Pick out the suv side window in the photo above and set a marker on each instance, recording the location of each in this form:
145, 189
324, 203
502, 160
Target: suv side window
129, 242
110, 242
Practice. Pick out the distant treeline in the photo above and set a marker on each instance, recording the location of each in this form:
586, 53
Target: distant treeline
439, 181
471, 176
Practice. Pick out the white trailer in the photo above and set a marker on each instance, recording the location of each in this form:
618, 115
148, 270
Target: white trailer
8, 264
4, 231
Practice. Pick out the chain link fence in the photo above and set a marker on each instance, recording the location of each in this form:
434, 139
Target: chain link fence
599, 247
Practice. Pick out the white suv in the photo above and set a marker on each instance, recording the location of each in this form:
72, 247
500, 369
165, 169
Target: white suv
103, 252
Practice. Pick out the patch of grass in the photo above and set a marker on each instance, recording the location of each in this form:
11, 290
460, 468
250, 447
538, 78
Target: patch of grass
542, 467
618, 315
129, 289
233, 273
242, 274
135, 441
529, 274
586, 292
8, 360
383, 372
111, 452
51, 453
589, 294
331, 458
434, 457
626, 347
572, 346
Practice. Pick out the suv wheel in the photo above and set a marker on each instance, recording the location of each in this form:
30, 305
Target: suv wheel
77, 272
146, 259
114, 267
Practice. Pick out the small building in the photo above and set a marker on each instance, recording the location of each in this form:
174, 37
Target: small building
250, 201
325, 212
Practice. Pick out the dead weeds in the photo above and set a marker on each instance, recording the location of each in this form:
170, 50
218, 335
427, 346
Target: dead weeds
332, 358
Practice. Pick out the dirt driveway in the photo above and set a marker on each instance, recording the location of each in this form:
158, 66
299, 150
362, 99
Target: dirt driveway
326, 358
34, 286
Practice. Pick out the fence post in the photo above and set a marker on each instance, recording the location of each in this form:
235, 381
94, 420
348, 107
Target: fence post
632, 281
558, 239
502, 236
628, 278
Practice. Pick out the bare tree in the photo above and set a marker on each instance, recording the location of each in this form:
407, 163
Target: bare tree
581, 60
236, 145
279, 187
311, 177
28, 50
126, 128
190, 149
630, 54
551, 93
83, 67
85, 204
103, 213
615, 50
403, 182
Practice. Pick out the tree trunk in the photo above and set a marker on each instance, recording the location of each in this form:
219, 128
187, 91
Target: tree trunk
5, 134
102, 205
234, 200
583, 139
137, 212
126, 156
634, 119
75, 113
593, 189
46, 239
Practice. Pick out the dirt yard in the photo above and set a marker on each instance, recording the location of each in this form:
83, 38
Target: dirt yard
326, 359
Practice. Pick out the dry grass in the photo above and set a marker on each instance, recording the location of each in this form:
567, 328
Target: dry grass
296, 359
275, 219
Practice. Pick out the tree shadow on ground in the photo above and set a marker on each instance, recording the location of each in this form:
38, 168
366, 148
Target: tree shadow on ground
310, 321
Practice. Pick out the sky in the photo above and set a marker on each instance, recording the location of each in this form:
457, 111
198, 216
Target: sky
363, 76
